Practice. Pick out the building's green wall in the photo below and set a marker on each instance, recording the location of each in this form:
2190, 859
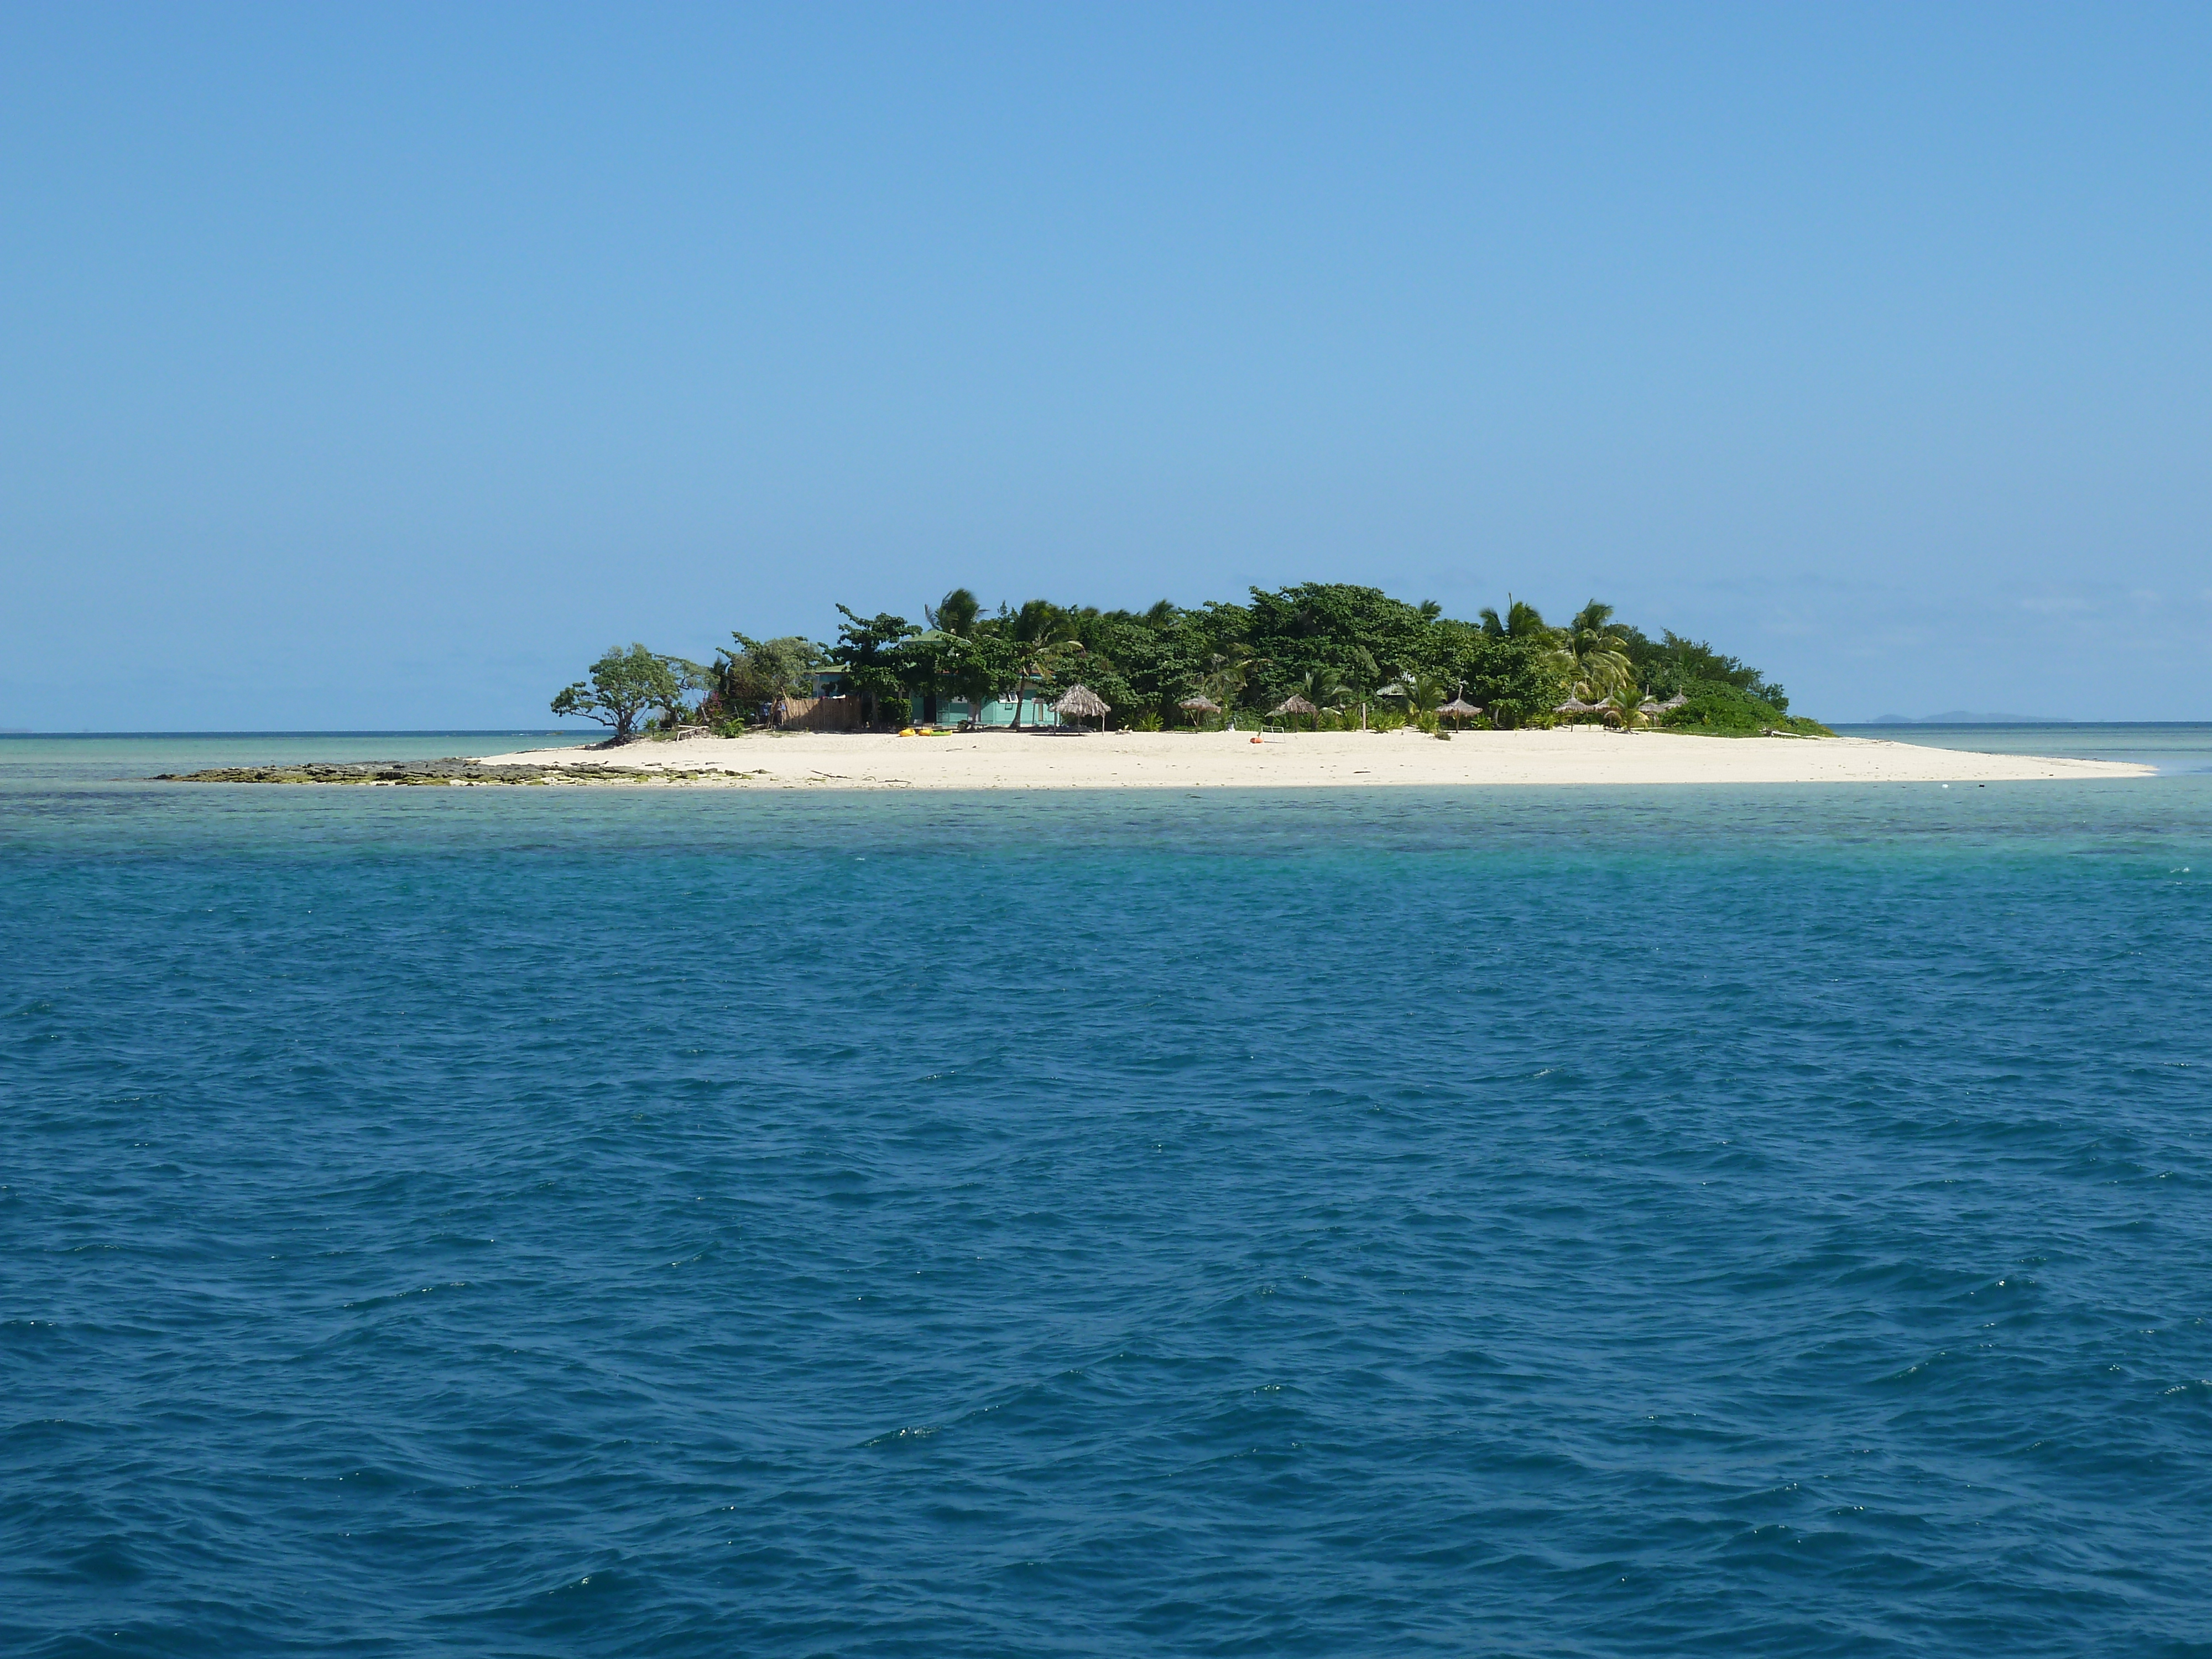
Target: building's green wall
953, 711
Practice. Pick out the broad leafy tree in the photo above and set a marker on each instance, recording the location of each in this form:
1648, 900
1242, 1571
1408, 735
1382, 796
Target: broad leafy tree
684, 678
742, 684
1675, 663
873, 670
981, 669
624, 684
936, 665
1334, 626
1518, 680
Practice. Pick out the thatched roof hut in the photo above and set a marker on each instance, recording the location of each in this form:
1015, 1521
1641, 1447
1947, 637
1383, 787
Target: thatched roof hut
1082, 703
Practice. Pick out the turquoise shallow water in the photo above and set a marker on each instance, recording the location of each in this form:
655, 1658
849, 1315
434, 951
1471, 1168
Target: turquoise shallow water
1536, 1222
2171, 746
93, 758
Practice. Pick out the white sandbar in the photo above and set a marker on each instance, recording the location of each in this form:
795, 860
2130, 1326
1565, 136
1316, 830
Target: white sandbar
1154, 760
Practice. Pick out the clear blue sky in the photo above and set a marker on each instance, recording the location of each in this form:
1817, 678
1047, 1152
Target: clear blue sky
376, 365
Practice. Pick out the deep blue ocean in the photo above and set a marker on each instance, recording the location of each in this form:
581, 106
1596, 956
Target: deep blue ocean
1752, 1220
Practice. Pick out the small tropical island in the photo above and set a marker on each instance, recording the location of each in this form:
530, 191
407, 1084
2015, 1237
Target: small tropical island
1320, 685
1318, 656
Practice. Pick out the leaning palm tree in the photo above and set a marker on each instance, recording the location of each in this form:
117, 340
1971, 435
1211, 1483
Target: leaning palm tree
1226, 673
1597, 658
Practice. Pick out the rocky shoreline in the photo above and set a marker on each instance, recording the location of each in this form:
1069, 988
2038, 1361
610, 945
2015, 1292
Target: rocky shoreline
439, 772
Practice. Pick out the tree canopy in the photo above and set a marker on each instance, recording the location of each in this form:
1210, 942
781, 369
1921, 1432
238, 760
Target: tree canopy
624, 684
1354, 652
743, 683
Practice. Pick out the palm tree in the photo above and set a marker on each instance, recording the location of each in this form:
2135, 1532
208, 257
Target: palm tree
1418, 689
1037, 664
955, 613
1522, 621
1324, 688
1226, 671
1624, 703
1597, 658
1043, 638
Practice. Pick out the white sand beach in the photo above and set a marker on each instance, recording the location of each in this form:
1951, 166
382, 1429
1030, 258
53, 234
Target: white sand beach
1154, 760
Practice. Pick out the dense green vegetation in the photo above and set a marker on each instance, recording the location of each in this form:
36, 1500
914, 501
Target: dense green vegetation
1335, 654
623, 687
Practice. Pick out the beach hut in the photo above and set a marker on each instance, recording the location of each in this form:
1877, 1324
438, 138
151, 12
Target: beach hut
1200, 706
1082, 703
1295, 704
1460, 708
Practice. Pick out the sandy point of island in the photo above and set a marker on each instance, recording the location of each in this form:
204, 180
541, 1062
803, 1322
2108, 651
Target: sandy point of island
1227, 760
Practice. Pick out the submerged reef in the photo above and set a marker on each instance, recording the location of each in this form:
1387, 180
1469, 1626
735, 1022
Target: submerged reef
445, 772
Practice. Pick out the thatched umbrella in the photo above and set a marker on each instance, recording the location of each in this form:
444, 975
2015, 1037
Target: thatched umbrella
1460, 708
1082, 702
1575, 705
1675, 701
1295, 704
1199, 705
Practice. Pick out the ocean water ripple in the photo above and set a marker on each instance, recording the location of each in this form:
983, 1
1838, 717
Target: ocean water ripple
1554, 1222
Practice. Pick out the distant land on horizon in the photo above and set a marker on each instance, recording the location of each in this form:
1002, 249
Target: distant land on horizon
1967, 717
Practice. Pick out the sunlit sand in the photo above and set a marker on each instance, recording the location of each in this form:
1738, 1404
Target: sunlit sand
1141, 760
